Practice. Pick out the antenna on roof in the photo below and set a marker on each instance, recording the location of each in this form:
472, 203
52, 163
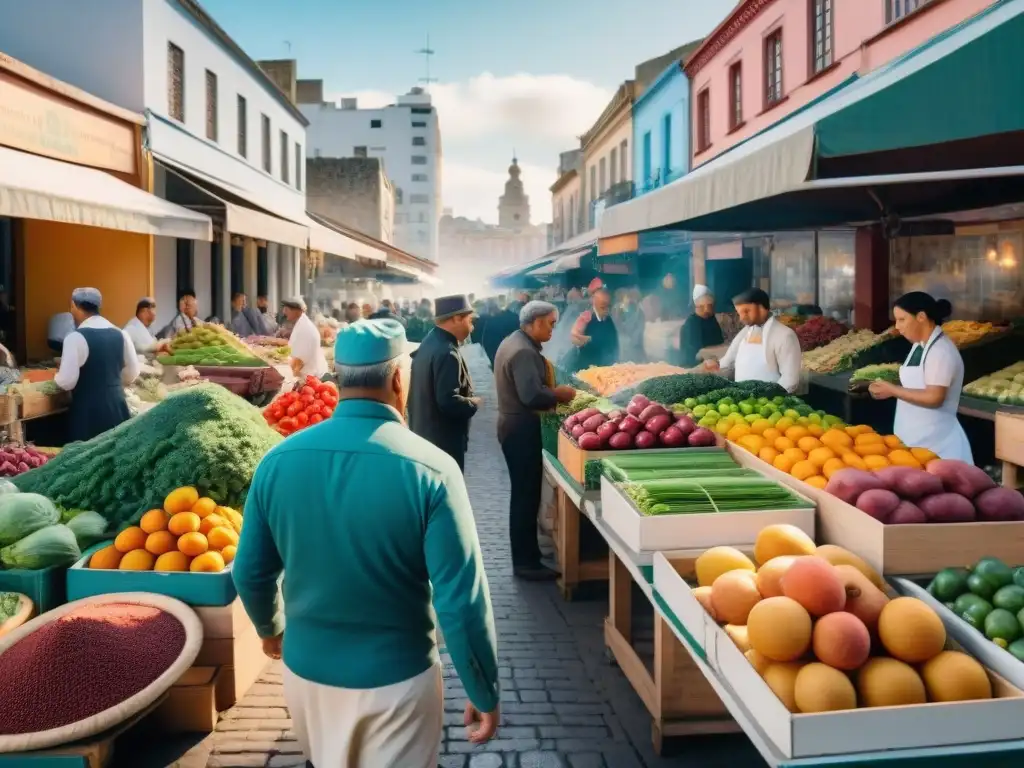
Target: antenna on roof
427, 52
288, 45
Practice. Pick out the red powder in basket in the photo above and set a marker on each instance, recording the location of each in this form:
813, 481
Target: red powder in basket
87, 661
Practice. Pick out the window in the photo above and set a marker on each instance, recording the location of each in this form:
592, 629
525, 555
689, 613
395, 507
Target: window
176, 82
265, 123
666, 146
243, 120
703, 120
736, 95
421, 110
602, 174
773, 68
646, 180
359, 152
298, 166
419, 141
284, 157
593, 183
623, 161
398, 195
421, 218
897, 9
419, 124
821, 53
419, 159
211, 106
375, 123
613, 163
793, 270
420, 177
415, 198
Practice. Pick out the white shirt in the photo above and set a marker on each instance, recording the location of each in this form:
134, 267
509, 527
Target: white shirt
60, 326
76, 353
305, 344
183, 323
141, 336
943, 365
782, 352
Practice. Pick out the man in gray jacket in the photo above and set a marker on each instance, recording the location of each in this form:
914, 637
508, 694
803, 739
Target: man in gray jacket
525, 384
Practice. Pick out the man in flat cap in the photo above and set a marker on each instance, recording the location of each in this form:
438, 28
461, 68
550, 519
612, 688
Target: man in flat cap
441, 399
97, 363
369, 523
307, 356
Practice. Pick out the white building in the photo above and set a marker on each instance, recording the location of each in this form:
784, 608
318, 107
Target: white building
406, 136
225, 139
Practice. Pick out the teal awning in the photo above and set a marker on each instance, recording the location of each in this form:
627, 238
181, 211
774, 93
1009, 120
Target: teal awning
965, 83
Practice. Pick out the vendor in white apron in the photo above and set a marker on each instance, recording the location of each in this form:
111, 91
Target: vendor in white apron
765, 350
930, 380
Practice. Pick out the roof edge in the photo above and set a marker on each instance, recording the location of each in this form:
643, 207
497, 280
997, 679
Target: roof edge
744, 12
563, 180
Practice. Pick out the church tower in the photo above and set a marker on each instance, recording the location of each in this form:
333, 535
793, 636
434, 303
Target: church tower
514, 205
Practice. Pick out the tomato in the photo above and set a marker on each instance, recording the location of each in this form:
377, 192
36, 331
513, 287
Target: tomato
306, 400
316, 418
269, 418
313, 408
307, 390
327, 412
288, 424
294, 408
328, 386
329, 399
302, 418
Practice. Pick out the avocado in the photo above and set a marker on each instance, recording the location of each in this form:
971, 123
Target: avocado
981, 586
1010, 597
1018, 576
994, 571
968, 599
1000, 624
949, 584
1017, 649
976, 614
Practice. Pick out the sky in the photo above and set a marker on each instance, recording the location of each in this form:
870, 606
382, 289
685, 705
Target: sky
527, 77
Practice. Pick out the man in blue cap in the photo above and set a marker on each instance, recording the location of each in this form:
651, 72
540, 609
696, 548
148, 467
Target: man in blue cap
97, 362
441, 399
368, 523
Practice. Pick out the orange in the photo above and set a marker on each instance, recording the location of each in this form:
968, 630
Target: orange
892, 441
901, 457
784, 444
184, 522
871, 449
212, 521
784, 423
859, 429
870, 438
172, 561
836, 439
771, 435
130, 539
795, 454
154, 520
923, 455
808, 444
815, 430
803, 469
851, 459
752, 443
208, 562
819, 456
205, 506
108, 558
817, 481
795, 433
222, 537
137, 560
876, 462
768, 455
759, 426
832, 466
735, 433
181, 500
228, 553
783, 463
193, 544
161, 542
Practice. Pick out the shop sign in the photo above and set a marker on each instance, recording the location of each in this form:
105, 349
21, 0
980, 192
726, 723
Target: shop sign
43, 123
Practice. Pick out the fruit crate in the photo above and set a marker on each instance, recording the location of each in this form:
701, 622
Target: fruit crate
45, 587
574, 459
195, 589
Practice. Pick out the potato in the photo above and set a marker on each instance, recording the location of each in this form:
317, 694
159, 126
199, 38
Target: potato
947, 508
908, 482
878, 502
998, 504
960, 477
849, 484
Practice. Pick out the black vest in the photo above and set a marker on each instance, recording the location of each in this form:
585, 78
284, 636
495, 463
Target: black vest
97, 403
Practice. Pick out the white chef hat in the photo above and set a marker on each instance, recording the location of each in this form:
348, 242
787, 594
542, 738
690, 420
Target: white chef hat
699, 291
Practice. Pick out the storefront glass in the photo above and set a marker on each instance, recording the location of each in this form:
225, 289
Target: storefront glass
979, 274
835, 274
793, 270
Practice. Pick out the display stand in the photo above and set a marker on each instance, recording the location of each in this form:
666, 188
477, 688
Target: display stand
1010, 445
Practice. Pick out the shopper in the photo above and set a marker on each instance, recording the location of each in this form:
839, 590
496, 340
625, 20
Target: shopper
370, 525
307, 355
525, 386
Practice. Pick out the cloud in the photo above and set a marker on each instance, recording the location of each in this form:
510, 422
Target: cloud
484, 118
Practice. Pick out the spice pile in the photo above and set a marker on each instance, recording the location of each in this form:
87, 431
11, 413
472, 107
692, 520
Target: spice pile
818, 331
291, 411
83, 663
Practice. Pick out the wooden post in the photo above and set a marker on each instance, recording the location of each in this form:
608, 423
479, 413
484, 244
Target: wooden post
568, 544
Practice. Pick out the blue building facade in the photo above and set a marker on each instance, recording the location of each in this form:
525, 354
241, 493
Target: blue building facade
661, 131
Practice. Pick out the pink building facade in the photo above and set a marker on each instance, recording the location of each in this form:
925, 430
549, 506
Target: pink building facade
769, 58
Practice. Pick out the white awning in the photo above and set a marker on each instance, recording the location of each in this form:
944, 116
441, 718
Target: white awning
33, 187
563, 263
324, 237
419, 274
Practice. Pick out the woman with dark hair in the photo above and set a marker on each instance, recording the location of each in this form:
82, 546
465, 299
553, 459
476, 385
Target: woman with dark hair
930, 380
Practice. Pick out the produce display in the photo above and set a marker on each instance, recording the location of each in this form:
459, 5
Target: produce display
817, 331
989, 597
209, 345
944, 491
642, 425
681, 387
203, 436
640, 467
89, 660
10, 604
883, 372
33, 536
188, 533
817, 625
606, 380
1005, 386
291, 411
964, 332
47, 387
16, 459
269, 348
841, 354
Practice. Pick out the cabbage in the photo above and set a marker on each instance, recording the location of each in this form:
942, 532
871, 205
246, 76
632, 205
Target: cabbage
24, 513
6, 486
88, 527
52, 546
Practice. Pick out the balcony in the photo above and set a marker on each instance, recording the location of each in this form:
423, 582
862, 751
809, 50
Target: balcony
615, 194
660, 178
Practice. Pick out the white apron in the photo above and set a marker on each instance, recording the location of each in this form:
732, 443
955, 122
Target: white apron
395, 725
936, 429
752, 357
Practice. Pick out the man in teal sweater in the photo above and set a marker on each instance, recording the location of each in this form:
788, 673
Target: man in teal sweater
369, 523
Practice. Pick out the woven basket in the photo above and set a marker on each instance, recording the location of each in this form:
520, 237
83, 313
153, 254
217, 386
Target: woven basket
108, 718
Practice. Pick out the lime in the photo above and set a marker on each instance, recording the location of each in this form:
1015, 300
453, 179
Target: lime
791, 414
766, 411
712, 416
966, 600
949, 584
814, 418
1017, 649
1018, 577
699, 411
1000, 624
1010, 597
726, 401
702, 400
763, 401
976, 614
981, 586
746, 409
995, 571
690, 402
723, 408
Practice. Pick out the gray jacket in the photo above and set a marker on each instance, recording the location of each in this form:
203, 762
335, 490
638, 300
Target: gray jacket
520, 380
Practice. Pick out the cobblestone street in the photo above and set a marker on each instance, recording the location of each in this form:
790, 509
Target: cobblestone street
564, 705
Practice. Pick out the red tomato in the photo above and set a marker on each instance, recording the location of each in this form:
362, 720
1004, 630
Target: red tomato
288, 424
313, 408
327, 412
302, 418
306, 400
328, 386
294, 408
307, 390
329, 399
277, 411
316, 418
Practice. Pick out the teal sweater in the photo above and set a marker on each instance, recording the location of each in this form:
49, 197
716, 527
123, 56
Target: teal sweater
368, 523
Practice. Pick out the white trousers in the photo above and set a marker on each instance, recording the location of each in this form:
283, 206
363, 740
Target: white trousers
396, 726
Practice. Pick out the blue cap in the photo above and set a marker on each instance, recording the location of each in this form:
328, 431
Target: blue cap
369, 342
87, 296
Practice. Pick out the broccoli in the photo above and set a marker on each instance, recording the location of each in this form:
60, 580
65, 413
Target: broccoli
672, 389
203, 436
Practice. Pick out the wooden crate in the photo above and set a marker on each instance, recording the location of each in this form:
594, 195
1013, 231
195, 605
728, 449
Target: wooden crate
1010, 445
191, 703
575, 459
231, 643
36, 404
